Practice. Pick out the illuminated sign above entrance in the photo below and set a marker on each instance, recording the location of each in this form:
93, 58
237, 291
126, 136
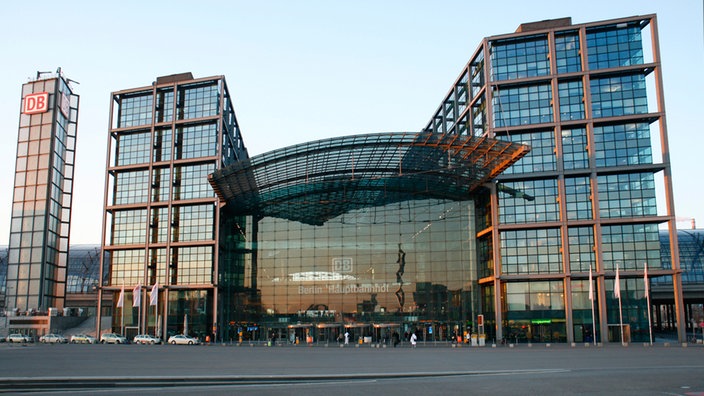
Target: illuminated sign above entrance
36, 103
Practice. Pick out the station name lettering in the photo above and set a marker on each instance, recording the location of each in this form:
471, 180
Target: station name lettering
345, 289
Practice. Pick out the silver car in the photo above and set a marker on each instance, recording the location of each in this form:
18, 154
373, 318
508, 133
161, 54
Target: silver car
53, 339
18, 338
83, 339
112, 338
146, 339
183, 340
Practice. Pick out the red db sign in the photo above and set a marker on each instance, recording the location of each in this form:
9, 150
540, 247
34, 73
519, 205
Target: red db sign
36, 103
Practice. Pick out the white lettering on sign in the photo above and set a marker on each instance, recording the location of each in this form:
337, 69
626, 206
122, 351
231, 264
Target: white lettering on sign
346, 289
36, 103
342, 265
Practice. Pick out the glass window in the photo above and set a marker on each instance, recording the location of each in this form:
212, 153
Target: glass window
522, 106
196, 101
535, 296
479, 117
568, 56
158, 262
578, 198
159, 225
528, 201
614, 46
581, 247
127, 267
627, 195
191, 265
161, 184
574, 148
162, 144
133, 148
164, 105
131, 187
536, 251
571, 100
135, 110
619, 96
191, 182
519, 58
623, 144
630, 245
196, 141
129, 227
542, 151
477, 74
192, 223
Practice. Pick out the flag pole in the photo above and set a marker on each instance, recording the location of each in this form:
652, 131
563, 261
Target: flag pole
617, 288
139, 311
591, 297
647, 297
122, 311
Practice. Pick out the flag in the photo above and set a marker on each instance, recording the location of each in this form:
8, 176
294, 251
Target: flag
617, 285
591, 287
121, 299
137, 295
154, 294
645, 280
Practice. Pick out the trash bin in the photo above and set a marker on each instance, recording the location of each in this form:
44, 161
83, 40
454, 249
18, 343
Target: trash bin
482, 339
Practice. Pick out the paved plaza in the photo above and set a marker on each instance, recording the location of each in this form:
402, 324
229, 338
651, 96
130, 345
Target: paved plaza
557, 369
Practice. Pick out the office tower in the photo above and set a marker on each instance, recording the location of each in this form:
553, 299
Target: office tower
588, 99
162, 219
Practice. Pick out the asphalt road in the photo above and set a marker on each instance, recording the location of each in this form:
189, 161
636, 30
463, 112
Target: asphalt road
259, 370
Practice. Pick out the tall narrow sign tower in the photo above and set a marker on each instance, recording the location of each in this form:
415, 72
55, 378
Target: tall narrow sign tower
42, 195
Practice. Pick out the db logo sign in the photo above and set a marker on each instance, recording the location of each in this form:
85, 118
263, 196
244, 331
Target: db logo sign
342, 264
36, 103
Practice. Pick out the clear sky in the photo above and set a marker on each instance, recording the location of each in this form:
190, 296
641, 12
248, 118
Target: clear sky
306, 70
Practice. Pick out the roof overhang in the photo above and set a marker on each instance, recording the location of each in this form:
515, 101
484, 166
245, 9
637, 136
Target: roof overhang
316, 181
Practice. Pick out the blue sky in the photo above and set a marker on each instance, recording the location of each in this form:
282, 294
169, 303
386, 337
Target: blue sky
305, 70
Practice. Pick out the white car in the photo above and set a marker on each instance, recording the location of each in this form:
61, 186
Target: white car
53, 339
112, 338
183, 340
18, 338
146, 339
83, 339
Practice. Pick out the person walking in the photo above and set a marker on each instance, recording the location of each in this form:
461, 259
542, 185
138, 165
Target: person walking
396, 338
347, 337
413, 339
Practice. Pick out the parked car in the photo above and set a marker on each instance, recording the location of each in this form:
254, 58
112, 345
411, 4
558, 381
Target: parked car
112, 338
83, 339
146, 339
183, 340
53, 339
18, 338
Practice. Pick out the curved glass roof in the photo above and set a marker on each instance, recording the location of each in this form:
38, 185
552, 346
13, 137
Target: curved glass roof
317, 181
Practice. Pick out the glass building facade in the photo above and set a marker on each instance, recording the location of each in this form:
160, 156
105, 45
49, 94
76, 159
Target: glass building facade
162, 221
43, 190
588, 100
542, 169
369, 235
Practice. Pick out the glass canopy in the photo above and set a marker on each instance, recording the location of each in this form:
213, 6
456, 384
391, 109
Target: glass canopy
317, 181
